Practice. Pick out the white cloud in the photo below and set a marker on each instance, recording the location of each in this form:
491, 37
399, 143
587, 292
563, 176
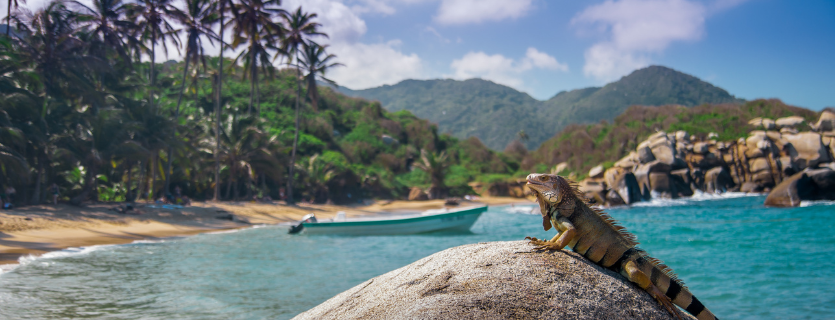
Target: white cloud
503, 70
366, 65
542, 60
638, 29
338, 20
371, 65
475, 11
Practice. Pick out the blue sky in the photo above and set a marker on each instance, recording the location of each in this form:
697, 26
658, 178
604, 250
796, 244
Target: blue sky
752, 48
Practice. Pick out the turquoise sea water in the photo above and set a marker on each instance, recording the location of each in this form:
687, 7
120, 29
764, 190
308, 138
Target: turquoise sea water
744, 261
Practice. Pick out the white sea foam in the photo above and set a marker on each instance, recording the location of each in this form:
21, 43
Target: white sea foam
697, 196
521, 209
660, 202
701, 196
68, 252
809, 203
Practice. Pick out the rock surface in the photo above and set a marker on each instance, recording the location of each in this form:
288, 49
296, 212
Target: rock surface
817, 184
494, 280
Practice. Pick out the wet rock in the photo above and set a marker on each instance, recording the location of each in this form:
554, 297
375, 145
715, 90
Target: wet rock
718, 180
494, 280
750, 187
662, 185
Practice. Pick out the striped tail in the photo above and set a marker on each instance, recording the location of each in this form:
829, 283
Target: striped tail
669, 284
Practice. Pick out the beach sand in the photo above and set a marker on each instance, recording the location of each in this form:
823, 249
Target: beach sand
39, 229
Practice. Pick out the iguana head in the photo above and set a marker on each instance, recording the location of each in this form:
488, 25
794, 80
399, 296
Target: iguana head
550, 190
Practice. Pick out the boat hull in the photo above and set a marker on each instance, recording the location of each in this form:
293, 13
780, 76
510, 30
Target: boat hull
453, 221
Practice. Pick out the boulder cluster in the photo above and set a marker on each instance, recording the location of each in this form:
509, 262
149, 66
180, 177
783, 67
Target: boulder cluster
675, 164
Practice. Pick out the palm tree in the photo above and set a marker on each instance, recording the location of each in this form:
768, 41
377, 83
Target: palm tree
247, 148
15, 4
436, 166
300, 28
153, 26
253, 23
221, 9
109, 27
315, 61
55, 54
318, 173
198, 20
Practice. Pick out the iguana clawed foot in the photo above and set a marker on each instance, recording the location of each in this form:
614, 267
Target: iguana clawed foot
543, 245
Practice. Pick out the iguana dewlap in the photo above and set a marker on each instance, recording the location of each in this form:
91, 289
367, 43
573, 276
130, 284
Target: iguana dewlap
596, 236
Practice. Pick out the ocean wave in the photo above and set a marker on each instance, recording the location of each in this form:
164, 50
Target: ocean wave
68, 252
660, 202
809, 203
520, 209
701, 196
697, 196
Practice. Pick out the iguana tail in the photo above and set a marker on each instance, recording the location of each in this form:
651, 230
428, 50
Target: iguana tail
667, 283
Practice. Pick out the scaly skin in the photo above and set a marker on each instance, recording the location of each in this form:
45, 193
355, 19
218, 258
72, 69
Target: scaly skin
595, 235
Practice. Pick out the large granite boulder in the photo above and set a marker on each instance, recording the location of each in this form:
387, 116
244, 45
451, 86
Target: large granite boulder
628, 161
624, 184
826, 122
790, 122
806, 149
663, 185
817, 184
494, 280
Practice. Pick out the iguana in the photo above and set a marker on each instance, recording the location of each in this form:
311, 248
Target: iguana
595, 235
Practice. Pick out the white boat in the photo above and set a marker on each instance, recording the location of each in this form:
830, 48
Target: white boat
458, 219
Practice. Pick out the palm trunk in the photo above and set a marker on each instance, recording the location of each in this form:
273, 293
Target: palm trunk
217, 108
252, 80
153, 64
229, 184
36, 196
128, 193
296, 137
140, 188
176, 122
154, 176
257, 97
9, 18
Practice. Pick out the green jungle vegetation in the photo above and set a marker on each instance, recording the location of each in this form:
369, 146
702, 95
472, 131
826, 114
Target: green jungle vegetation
586, 146
495, 113
79, 108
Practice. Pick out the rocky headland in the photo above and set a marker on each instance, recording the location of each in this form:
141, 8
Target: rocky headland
494, 280
776, 155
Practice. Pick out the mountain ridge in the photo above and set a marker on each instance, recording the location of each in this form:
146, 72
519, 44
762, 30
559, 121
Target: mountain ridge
496, 113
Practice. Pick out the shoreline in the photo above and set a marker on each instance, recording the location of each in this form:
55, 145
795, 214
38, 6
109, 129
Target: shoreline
36, 230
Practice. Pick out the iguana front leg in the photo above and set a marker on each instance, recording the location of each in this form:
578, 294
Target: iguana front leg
566, 233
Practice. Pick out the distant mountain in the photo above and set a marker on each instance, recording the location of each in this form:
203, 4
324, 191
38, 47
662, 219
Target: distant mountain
496, 114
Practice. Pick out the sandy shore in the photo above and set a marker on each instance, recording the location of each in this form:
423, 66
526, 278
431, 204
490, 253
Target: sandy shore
40, 229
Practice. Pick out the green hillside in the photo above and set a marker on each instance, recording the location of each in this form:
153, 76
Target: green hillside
651, 86
496, 113
472, 108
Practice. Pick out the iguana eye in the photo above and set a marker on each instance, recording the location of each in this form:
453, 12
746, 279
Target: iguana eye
543, 178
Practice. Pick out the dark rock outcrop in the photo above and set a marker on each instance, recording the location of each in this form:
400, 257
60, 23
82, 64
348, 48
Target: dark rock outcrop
494, 280
817, 184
